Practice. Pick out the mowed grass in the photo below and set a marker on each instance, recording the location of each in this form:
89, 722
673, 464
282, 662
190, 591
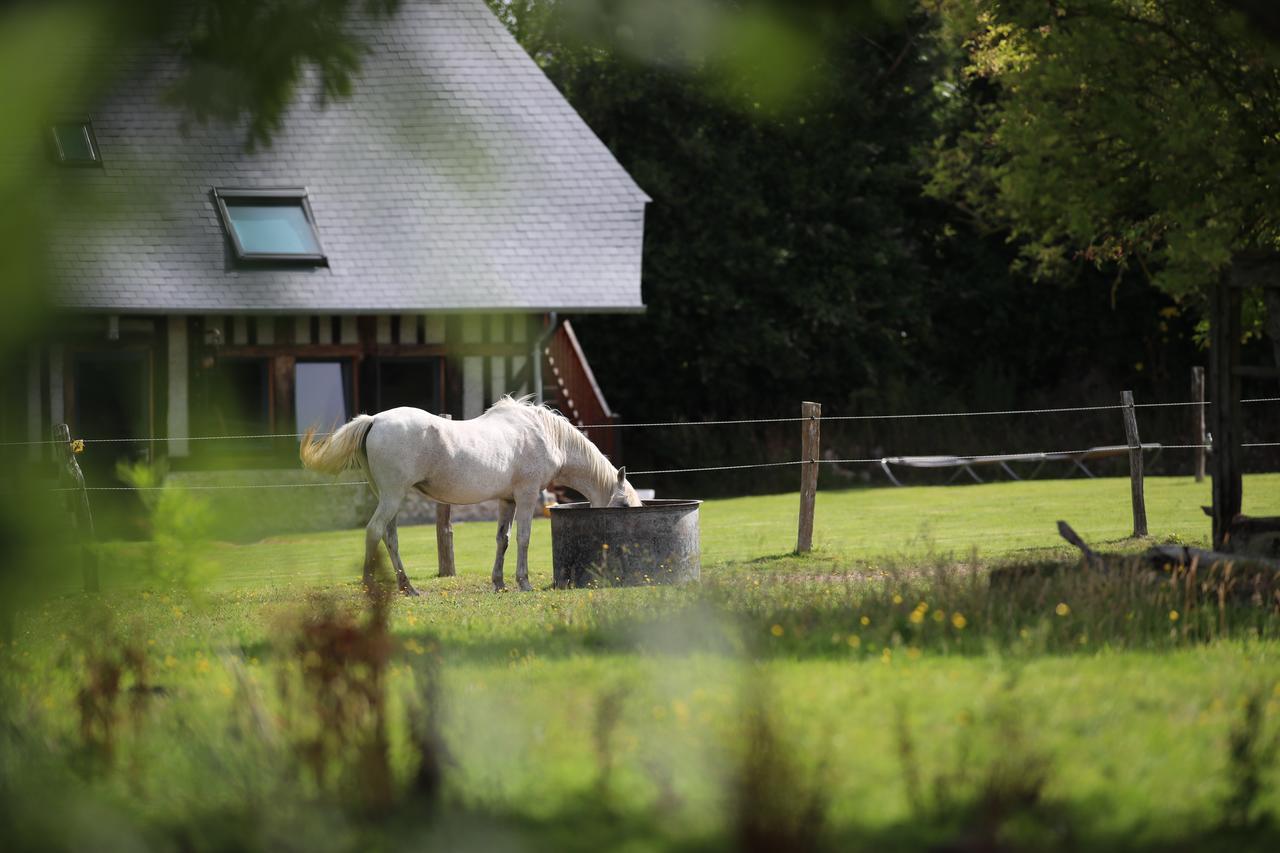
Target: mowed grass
852, 527
1133, 728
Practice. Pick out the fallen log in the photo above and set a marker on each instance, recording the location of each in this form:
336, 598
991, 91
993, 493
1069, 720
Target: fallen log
1165, 557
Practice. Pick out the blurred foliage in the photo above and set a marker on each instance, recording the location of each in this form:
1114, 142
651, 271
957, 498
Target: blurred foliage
242, 61
181, 525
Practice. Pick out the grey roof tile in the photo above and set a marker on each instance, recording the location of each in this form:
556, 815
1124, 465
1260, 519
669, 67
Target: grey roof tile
455, 178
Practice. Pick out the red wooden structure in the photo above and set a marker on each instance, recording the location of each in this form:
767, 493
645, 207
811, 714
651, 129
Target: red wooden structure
570, 386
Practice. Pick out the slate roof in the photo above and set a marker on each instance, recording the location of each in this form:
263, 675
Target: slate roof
456, 178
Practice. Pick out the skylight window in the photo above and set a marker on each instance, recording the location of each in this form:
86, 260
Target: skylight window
270, 225
74, 143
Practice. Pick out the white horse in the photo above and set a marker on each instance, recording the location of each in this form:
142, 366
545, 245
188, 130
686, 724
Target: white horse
511, 453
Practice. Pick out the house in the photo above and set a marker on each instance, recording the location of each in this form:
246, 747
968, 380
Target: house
410, 245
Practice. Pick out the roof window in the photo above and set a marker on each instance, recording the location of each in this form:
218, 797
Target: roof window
270, 225
74, 143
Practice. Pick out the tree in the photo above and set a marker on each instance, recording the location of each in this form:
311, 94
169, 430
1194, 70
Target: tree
790, 252
1135, 132
1129, 133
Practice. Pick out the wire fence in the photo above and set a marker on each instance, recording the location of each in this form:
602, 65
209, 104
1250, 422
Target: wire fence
1043, 455
689, 423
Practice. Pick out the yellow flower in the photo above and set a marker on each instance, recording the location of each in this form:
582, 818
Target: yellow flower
959, 621
854, 641
1062, 609
1173, 616
897, 599
913, 653
202, 666
886, 656
414, 647
865, 620
681, 710
776, 630
170, 661
939, 616
916, 617
77, 446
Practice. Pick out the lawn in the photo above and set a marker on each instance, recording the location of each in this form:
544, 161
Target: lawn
878, 692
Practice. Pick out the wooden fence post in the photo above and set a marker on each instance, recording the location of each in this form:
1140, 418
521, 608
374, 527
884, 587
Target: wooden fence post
444, 536
1135, 464
810, 429
71, 478
1197, 419
1225, 465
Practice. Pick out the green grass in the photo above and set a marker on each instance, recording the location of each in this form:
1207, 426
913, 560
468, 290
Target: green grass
997, 520
1130, 708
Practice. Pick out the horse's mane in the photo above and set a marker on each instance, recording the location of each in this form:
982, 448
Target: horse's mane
565, 435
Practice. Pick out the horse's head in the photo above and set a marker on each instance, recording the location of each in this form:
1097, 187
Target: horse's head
623, 493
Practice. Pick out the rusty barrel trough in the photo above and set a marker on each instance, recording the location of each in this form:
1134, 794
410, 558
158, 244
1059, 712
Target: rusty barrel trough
625, 546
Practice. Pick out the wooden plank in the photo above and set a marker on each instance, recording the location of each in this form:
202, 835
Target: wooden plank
1197, 419
284, 369
1224, 388
409, 329
1135, 465
384, 329
350, 330
809, 448
302, 330
177, 418
70, 477
266, 327
444, 535
434, 329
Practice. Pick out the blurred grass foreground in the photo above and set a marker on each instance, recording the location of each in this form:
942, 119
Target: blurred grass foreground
887, 692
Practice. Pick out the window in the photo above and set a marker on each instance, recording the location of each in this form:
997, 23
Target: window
410, 382
74, 144
270, 225
320, 394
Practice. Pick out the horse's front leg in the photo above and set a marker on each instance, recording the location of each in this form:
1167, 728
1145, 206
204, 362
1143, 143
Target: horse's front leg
524, 531
506, 511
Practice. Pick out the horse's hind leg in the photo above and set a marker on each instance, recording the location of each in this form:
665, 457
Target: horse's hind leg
376, 529
506, 511
392, 539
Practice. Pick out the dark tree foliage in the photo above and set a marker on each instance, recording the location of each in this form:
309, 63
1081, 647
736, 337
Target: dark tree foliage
791, 254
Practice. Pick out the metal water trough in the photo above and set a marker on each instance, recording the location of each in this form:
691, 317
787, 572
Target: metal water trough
625, 546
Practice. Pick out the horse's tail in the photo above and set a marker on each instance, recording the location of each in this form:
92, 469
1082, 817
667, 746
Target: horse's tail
339, 450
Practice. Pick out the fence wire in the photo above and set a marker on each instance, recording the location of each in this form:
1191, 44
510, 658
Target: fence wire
660, 424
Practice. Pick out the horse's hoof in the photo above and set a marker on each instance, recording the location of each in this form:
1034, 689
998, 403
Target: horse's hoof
525, 586
499, 587
408, 590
